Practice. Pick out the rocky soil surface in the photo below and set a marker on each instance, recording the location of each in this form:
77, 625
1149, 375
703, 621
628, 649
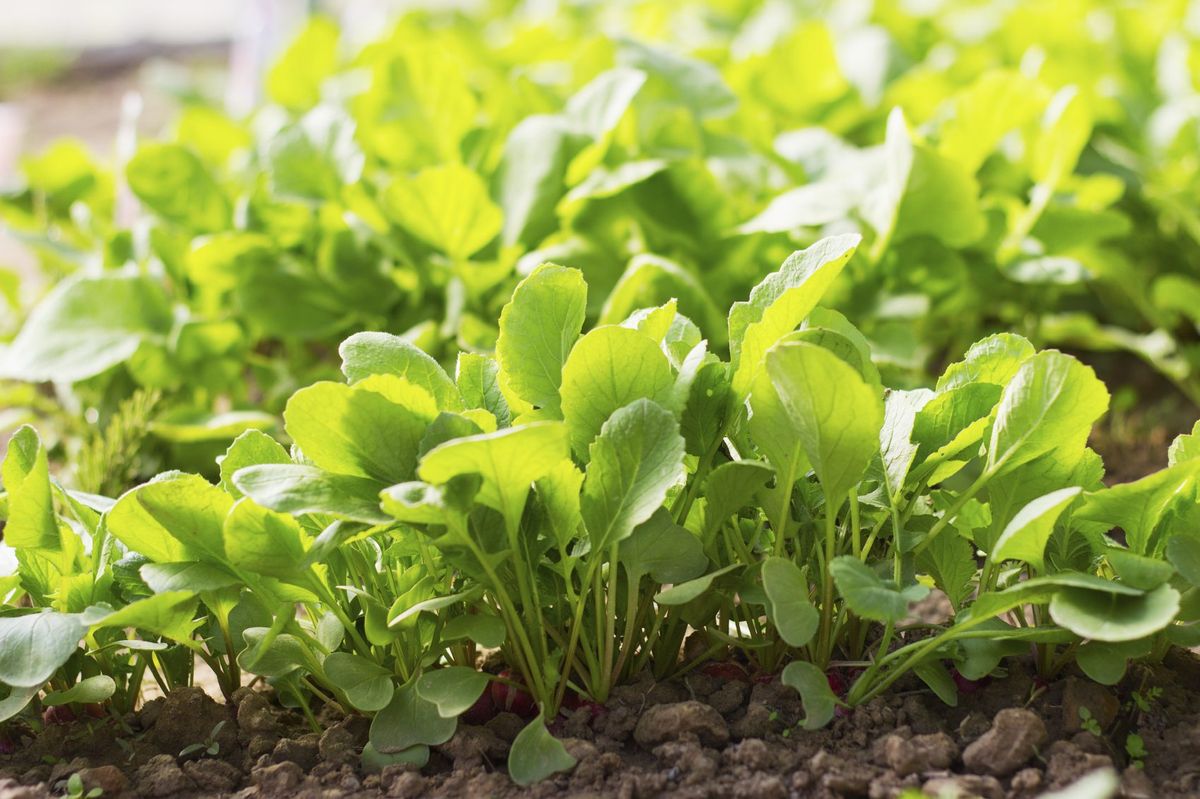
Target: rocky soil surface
703, 736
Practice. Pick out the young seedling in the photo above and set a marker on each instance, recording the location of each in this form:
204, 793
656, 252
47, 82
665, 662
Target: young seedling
1135, 748
75, 789
210, 746
1089, 723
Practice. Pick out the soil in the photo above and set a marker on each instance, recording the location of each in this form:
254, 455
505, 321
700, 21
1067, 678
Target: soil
702, 736
1145, 415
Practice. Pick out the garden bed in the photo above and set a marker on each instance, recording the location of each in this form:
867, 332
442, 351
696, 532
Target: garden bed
702, 735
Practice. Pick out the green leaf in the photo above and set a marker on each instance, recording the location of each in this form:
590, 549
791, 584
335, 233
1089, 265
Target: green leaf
999, 101
780, 302
294, 80
454, 689
538, 327
447, 207
366, 354
1106, 616
1183, 551
483, 629
923, 193
662, 549
85, 326
176, 517
815, 693
837, 415
536, 754
165, 578
1139, 571
509, 461
263, 541
1185, 447
954, 420
691, 82
596, 108
729, 488
296, 489
169, 614
779, 439
405, 608
92, 689
651, 280
868, 595
1065, 130
994, 359
608, 369
788, 606
409, 720
558, 491
1050, 403
950, 561
25, 474
274, 657
374, 761
897, 446
685, 592
372, 429
250, 448
1105, 663
174, 183
16, 701
314, 158
366, 684
1011, 491
478, 379
636, 459
1138, 507
1025, 536
532, 178
33, 646
935, 674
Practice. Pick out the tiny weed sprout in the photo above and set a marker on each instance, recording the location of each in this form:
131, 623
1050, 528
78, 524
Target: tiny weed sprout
1135, 747
210, 747
501, 365
75, 789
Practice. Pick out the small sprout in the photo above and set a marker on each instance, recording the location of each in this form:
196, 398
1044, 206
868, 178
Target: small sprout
1089, 722
1135, 747
210, 746
75, 789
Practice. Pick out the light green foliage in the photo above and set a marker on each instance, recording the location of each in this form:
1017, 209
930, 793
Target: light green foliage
538, 328
609, 368
836, 414
637, 457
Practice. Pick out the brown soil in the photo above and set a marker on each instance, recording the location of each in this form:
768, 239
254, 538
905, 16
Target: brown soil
1146, 414
700, 737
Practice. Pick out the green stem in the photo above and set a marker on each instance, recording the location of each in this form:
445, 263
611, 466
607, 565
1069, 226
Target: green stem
825, 650
949, 516
610, 622
576, 627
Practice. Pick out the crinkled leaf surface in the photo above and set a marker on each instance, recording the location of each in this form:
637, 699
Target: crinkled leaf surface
635, 460
538, 327
371, 429
837, 415
609, 368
